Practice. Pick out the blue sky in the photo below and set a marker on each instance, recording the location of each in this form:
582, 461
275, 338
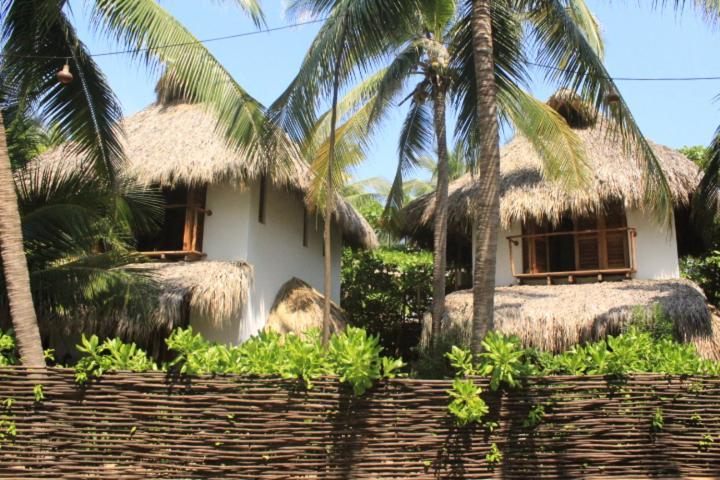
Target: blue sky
640, 42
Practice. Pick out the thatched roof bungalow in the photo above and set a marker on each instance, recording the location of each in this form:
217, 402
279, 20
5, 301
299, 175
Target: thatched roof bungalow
223, 210
554, 234
557, 248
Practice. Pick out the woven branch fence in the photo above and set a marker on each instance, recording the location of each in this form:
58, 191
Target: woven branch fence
127, 426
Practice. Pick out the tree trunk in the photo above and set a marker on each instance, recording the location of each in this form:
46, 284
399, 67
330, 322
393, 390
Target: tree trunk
329, 198
441, 208
487, 204
14, 265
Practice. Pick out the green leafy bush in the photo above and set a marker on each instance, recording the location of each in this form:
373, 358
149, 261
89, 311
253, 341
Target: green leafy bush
386, 292
353, 355
110, 355
467, 406
705, 272
8, 355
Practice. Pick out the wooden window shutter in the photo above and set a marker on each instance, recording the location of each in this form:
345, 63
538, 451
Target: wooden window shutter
263, 193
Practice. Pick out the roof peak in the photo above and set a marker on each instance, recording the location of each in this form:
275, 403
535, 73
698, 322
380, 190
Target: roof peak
576, 111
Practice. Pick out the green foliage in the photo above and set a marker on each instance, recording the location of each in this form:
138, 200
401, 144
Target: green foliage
495, 456
8, 354
8, 429
502, 360
699, 154
466, 406
658, 421
706, 442
705, 272
535, 416
353, 355
386, 292
108, 356
38, 392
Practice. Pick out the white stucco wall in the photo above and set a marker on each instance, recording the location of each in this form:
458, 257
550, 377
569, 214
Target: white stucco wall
274, 249
657, 254
277, 252
503, 271
656, 246
226, 232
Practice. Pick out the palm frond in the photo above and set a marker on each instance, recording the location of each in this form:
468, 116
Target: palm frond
159, 39
85, 111
416, 138
563, 44
559, 147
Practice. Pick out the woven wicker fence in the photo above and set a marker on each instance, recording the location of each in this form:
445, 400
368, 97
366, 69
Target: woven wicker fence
152, 426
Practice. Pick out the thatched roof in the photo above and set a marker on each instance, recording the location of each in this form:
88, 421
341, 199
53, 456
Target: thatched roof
556, 317
298, 307
180, 143
615, 175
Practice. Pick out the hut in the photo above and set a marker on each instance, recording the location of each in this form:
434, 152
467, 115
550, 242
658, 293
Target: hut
233, 235
553, 234
558, 248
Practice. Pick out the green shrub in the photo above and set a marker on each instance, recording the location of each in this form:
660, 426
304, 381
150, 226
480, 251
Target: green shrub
353, 356
386, 292
8, 355
705, 272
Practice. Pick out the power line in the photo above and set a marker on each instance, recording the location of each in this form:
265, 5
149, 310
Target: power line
319, 20
627, 79
179, 44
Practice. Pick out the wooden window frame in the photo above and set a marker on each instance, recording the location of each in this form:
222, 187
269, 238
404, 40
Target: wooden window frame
193, 229
262, 200
533, 232
305, 232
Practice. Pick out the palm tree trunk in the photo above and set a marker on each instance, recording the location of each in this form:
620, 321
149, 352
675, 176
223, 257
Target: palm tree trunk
14, 265
441, 209
487, 204
329, 199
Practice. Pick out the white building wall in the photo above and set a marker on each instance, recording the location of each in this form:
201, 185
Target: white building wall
225, 235
503, 270
274, 249
656, 246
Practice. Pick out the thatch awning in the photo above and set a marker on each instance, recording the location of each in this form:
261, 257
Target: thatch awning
556, 317
298, 307
176, 143
615, 175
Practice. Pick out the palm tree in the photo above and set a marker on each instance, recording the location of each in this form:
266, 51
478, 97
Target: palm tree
561, 33
38, 39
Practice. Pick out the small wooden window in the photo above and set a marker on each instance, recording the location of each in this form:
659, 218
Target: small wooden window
261, 205
305, 227
181, 233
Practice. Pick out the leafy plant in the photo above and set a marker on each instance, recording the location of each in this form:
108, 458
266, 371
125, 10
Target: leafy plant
38, 392
8, 354
705, 442
502, 360
353, 355
110, 355
467, 406
386, 292
705, 272
494, 456
534, 417
658, 421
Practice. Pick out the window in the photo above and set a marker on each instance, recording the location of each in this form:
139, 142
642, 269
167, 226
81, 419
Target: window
592, 243
261, 205
305, 227
181, 233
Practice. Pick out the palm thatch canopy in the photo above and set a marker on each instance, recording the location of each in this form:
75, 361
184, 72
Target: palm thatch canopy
556, 317
298, 308
615, 174
179, 143
212, 290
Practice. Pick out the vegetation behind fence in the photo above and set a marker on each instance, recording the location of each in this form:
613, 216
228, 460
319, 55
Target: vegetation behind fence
149, 425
